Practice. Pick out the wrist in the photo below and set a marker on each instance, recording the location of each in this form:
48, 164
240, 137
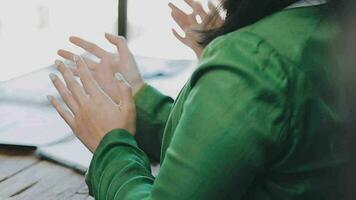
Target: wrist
137, 87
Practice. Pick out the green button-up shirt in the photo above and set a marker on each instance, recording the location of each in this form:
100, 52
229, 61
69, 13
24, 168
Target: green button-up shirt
257, 120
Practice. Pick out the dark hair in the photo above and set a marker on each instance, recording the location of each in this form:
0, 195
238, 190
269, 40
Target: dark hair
239, 13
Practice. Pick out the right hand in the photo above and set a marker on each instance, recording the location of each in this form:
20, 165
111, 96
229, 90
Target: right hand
110, 63
92, 112
189, 23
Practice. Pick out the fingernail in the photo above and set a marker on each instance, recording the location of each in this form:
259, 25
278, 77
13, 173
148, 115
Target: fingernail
119, 77
49, 97
52, 76
76, 58
57, 62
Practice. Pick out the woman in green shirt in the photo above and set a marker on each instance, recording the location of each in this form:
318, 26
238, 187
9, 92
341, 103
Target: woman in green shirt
257, 120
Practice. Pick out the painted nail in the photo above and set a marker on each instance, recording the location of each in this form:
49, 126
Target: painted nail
57, 63
52, 76
119, 77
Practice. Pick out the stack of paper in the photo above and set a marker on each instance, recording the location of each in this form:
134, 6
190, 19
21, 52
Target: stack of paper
71, 153
26, 116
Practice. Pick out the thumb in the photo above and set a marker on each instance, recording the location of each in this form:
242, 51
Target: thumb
120, 43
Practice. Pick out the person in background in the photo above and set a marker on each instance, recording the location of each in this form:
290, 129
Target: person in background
258, 119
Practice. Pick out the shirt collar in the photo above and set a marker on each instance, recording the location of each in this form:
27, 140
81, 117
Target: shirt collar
307, 3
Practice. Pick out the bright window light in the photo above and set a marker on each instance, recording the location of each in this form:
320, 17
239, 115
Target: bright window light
31, 31
149, 29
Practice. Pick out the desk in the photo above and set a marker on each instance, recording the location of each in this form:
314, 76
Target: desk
27, 118
23, 176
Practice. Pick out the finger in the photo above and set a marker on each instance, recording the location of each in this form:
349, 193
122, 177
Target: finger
88, 46
120, 43
197, 8
179, 37
65, 93
73, 86
64, 113
214, 9
69, 56
85, 76
211, 6
218, 21
74, 71
125, 91
179, 16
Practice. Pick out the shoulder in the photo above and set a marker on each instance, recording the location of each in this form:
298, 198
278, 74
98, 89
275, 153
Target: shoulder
274, 49
290, 32
240, 78
243, 55
287, 33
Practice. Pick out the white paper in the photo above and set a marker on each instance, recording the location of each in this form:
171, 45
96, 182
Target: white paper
27, 118
71, 153
31, 126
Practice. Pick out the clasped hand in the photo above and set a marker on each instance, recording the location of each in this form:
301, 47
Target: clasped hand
92, 113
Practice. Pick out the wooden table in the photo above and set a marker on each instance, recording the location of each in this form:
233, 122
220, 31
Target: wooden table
23, 176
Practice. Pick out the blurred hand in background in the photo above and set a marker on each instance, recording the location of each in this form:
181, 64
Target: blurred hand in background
192, 23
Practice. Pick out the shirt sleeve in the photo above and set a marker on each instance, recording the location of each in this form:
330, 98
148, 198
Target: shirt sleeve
153, 109
230, 129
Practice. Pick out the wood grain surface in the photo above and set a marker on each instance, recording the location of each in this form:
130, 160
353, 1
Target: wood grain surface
23, 176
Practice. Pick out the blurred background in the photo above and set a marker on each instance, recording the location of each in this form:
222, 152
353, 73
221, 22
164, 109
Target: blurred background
149, 29
31, 31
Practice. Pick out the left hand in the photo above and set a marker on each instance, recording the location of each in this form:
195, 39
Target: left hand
93, 113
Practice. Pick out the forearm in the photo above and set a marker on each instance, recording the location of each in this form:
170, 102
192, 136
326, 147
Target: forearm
119, 169
153, 109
